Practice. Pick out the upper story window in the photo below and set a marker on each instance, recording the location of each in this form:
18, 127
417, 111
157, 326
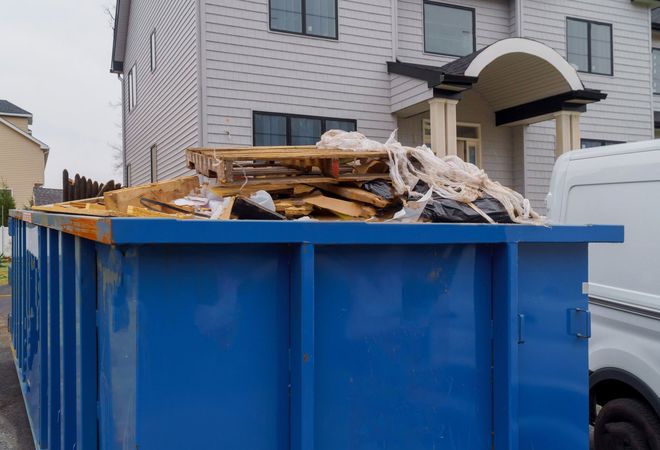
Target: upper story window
589, 46
656, 70
448, 29
310, 17
287, 129
152, 50
131, 86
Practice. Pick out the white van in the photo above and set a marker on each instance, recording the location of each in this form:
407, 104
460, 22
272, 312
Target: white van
619, 184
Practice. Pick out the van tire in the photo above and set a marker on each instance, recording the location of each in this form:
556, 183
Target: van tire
626, 424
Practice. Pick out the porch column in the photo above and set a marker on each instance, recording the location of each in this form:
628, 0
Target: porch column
443, 126
450, 116
438, 126
568, 132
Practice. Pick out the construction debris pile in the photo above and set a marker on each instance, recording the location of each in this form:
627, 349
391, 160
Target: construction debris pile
344, 177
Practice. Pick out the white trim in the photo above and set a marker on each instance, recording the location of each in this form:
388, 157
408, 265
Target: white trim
530, 47
24, 134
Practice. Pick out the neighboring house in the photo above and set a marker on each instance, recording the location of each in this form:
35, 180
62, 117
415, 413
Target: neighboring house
22, 156
502, 83
46, 196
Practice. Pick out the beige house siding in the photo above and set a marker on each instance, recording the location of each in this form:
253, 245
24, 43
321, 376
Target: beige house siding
22, 164
20, 122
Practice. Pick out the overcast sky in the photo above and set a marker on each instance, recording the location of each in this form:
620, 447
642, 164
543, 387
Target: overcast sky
54, 62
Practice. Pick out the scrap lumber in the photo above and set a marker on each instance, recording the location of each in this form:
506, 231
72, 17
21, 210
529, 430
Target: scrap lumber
231, 165
137, 211
301, 189
87, 207
293, 207
164, 191
354, 193
341, 207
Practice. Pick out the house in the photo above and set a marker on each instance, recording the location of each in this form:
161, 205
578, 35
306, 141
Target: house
22, 156
506, 84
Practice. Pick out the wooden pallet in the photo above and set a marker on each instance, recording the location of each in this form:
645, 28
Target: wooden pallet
233, 165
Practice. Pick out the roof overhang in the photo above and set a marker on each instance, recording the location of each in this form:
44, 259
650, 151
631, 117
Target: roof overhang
120, 32
525, 46
545, 108
28, 136
25, 116
434, 76
522, 80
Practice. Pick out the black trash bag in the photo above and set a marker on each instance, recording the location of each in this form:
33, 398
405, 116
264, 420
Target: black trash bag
443, 210
379, 187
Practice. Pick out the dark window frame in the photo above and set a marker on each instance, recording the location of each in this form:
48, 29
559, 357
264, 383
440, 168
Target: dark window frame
654, 49
303, 13
153, 162
153, 62
589, 23
288, 118
131, 82
603, 143
465, 8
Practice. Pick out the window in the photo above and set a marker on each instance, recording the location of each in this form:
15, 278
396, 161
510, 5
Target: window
590, 143
127, 175
131, 82
468, 140
152, 50
589, 46
285, 129
448, 30
154, 163
310, 17
656, 70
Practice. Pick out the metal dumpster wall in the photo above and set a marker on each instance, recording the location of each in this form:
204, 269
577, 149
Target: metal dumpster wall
300, 346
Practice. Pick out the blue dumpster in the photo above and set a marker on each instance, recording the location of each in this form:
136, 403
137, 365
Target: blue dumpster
164, 334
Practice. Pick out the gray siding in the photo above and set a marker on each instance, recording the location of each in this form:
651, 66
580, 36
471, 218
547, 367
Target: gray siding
251, 68
655, 44
407, 92
168, 99
493, 22
626, 114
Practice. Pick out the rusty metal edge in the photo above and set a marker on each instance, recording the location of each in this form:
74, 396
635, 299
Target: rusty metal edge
98, 229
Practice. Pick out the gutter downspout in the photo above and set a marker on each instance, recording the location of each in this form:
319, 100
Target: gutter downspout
395, 28
519, 18
124, 173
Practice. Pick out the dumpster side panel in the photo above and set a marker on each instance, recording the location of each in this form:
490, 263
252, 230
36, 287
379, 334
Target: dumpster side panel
67, 328
553, 396
402, 347
211, 327
32, 345
117, 282
53, 331
213, 320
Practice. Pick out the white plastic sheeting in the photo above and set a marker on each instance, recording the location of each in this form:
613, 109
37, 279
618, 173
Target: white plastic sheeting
5, 242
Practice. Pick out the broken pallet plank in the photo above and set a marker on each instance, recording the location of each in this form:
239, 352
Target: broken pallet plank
354, 193
164, 191
338, 206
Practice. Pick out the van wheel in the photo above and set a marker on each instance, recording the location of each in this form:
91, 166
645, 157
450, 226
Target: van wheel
626, 424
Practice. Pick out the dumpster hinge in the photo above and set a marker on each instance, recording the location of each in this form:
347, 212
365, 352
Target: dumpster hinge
579, 323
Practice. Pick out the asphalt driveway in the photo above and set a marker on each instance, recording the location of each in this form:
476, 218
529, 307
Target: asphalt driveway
15, 431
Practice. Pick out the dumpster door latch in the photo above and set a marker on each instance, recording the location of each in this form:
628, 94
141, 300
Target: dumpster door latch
579, 323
